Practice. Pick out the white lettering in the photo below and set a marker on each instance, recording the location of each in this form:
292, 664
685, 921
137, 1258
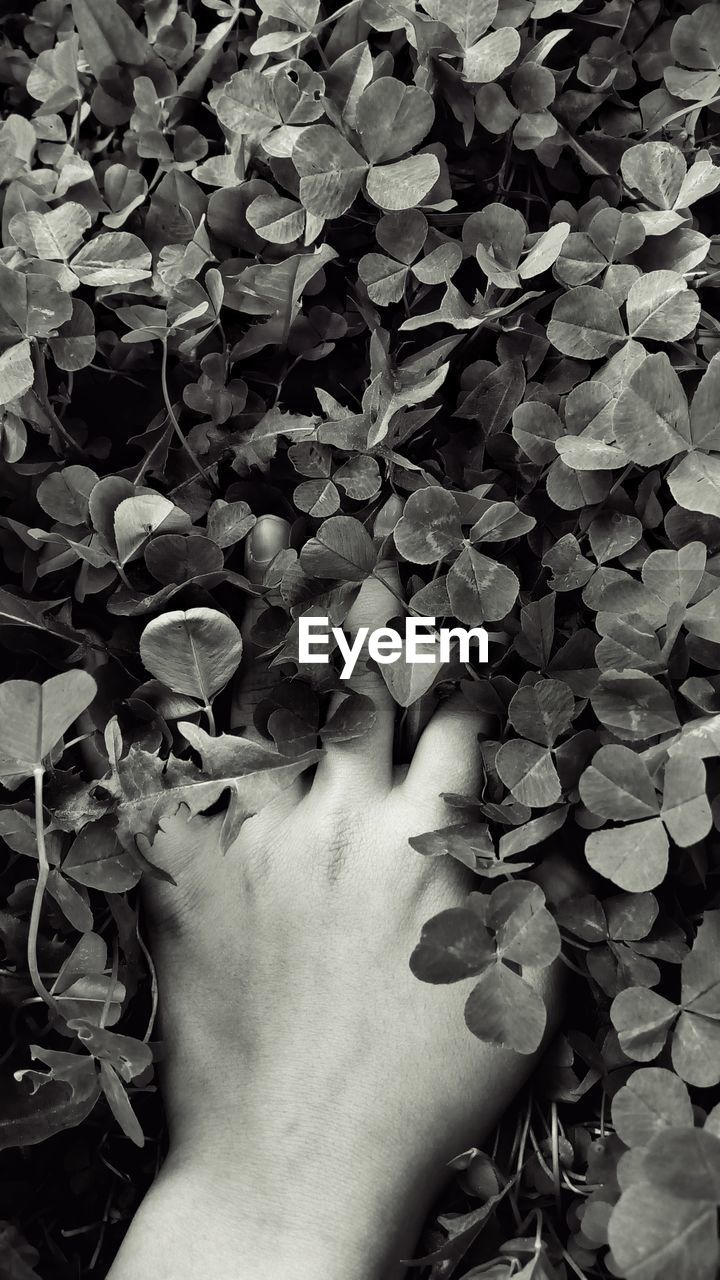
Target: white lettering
414, 637
350, 652
463, 637
306, 626
385, 645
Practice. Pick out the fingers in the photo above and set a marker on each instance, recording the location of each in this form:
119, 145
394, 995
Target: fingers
364, 764
447, 757
265, 541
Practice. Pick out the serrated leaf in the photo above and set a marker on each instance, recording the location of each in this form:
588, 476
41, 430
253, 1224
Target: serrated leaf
467, 19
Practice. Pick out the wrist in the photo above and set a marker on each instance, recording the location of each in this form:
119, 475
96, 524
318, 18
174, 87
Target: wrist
201, 1217
335, 1168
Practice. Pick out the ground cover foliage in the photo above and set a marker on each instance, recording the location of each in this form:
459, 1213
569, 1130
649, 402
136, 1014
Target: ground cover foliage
436, 282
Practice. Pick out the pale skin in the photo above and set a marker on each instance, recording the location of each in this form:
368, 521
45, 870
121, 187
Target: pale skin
315, 1089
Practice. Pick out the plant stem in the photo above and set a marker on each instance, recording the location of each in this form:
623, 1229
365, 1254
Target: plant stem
123, 576
41, 391
340, 13
153, 983
555, 1139
176, 425
111, 985
43, 872
210, 718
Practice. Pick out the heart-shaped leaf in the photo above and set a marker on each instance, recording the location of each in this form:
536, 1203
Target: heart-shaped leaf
651, 419
655, 1236
331, 171
585, 324
193, 651
341, 549
505, 1011
453, 945
429, 527
36, 716
481, 589
529, 773
393, 118
661, 306
617, 785
653, 1101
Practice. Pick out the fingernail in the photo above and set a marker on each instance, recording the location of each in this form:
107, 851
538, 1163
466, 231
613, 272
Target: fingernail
270, 535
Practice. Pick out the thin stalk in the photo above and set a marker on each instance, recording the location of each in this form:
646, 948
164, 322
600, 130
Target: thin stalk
555, 1138
153, 983
210, 718
678, 115
339, 13
41, 391
111, 985
321, 51
123, 576
176, 425
43, 873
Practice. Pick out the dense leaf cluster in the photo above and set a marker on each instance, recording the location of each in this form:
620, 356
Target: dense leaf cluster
435, 280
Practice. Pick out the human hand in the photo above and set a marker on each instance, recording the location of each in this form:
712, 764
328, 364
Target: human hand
315, 1089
